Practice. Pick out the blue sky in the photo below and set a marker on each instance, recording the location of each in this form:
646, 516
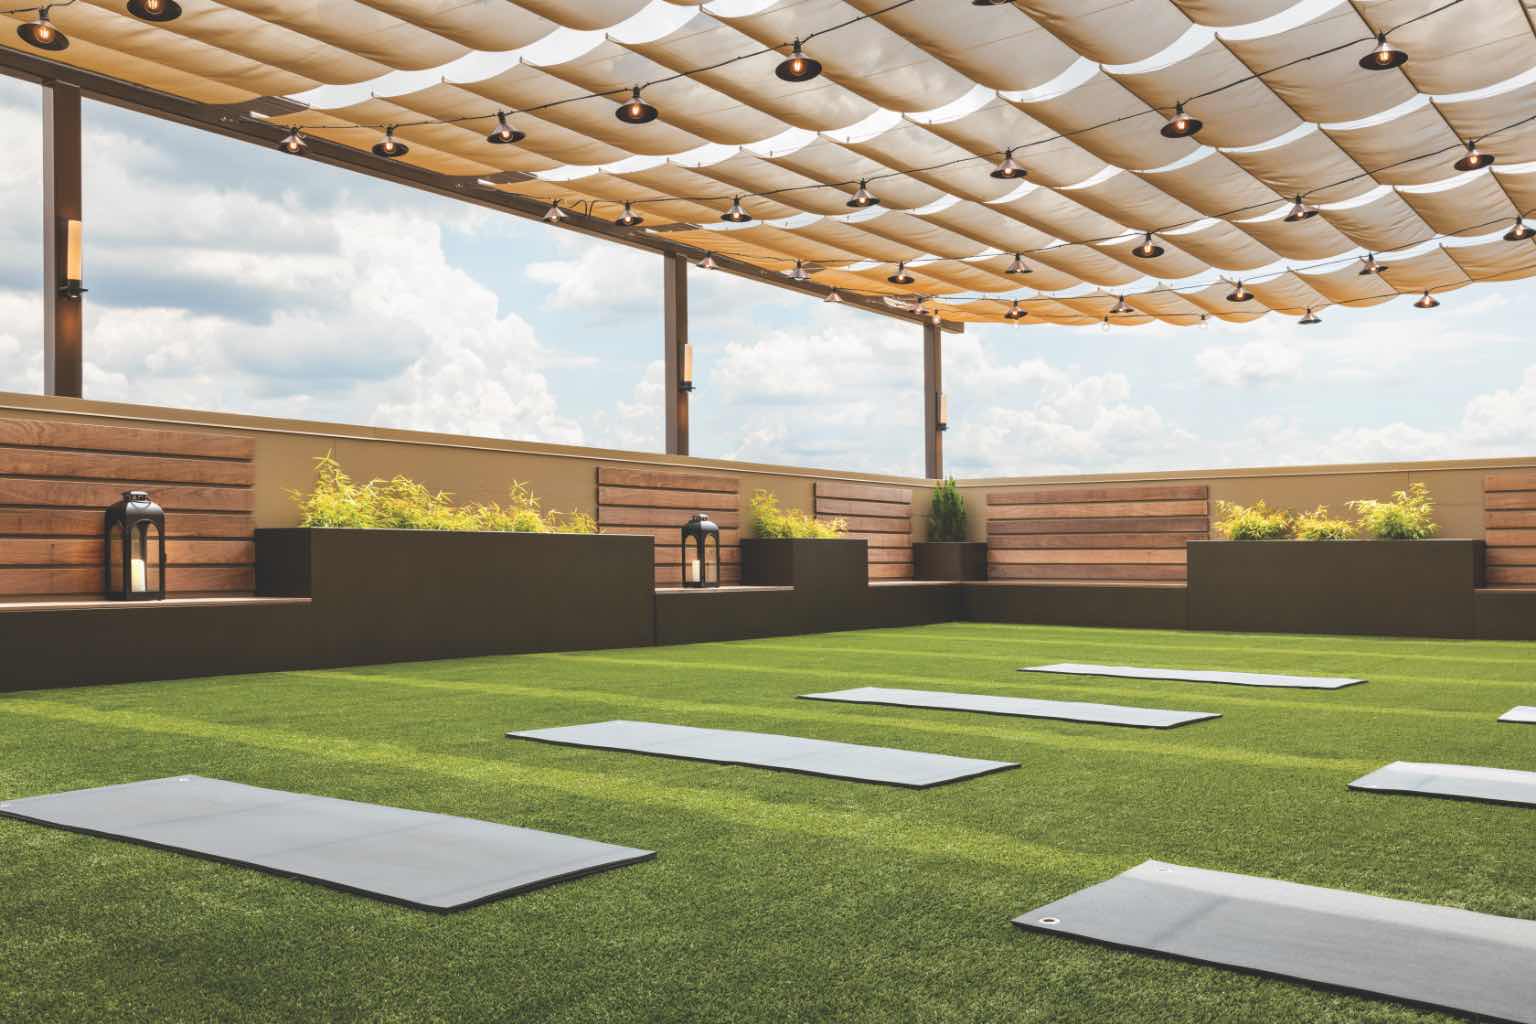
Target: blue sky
228, 277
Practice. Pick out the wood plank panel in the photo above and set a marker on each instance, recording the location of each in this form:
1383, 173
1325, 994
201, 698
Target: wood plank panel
873, 524
888, 571
657, 479
54, 522
1510, 520
1512, 500
1514, 480
844, 507
882, 540
667, 536
1095, 556
75, 582
1100, 510
692, 501
39, 462
1147, 573
1058, 495
1512, 556
1512, 574
863, 492
78, 494
675, 518
1511, 538
890, 555
133, 440
1092, 540
93, 552
674, 574
1122, 524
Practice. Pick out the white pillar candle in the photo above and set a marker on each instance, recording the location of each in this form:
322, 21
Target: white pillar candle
136, 575
693, 571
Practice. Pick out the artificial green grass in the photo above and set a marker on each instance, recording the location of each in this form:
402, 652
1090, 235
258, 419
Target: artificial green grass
776, 897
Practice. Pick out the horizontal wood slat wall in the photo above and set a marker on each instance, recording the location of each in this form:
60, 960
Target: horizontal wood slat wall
58, 477
1100, 533
657, 503
1509, 514
877, 514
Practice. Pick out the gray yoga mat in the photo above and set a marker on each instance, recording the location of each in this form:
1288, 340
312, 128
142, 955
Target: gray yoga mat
1185, 675
1523, 714
1437, 957
769, 750
431, 861
1457, 781
1022, 707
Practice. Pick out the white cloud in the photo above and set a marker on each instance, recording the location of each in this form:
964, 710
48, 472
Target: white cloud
1257, 362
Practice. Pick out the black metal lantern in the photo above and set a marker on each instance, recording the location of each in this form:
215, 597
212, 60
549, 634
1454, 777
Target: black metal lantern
128, 560
697, 569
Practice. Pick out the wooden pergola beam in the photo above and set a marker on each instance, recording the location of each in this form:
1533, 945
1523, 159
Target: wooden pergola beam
674, 346
933, 399
63, 309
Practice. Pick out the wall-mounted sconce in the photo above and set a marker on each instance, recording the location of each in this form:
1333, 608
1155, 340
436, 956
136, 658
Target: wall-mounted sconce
686, 381
73, 288
943, 415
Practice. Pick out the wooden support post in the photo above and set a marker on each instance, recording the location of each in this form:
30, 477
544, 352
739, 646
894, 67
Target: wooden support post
933, 401
677, 372
63, 312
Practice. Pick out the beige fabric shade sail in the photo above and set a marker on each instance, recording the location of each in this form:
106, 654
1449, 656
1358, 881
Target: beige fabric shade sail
919, 100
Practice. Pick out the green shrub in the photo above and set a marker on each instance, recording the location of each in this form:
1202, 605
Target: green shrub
1318, 525
772, 522
1252, 522
337, 502
946, 517
1410, 515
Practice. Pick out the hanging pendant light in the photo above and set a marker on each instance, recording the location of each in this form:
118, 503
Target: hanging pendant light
799, 273
629, 219
1310, 318
1299, 211
1009, 169
154, 10
863, 197
1427, 301
1205, 321
1384, 57
833, 296
390, 147
1370, 266
1105, 325
1018, 266
293, 142
1148, 249
1474, 159
901, 276
798, 67
1239, 294
736, 215
1520, 232
42, 33
636, 110
1121, 307
708, 262
1016, 312
1181, 125
504, 134
554, 214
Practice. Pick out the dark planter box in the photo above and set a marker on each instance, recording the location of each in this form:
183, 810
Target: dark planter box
805, 564
392, 595
949, 560
1371, 587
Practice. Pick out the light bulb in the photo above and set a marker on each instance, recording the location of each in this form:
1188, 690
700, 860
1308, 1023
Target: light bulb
1520, 232
833, 296
1474, 159
1018, 266
629, 219
154, 10
504, 134
901, 276
1121, 307
1009, 169
1370, 266
1015, 312
708, 262
736, 215
1427, 301
293, 142
1239, 294
42, 33
1299, 211
798, 67
1148, 249
1311, 318
799, 273
390, 147
554, 214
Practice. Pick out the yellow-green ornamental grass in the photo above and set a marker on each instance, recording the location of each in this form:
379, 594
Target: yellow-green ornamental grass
1408, 515
772, 522
400, 503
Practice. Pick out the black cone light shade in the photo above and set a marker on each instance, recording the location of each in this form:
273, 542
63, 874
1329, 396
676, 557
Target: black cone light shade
797, 67
901, 276
1148, 249
43, 34
504, 134
390, 148
1427, 301
629, 219
1474, 159
1181, 125
1520, 232
736, 215
1384, 57
293, 142
863, 198
635, 110
1299, 211
1008, 169
154, 10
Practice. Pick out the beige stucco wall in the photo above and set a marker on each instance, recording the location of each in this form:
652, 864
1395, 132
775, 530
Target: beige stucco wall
564, 477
